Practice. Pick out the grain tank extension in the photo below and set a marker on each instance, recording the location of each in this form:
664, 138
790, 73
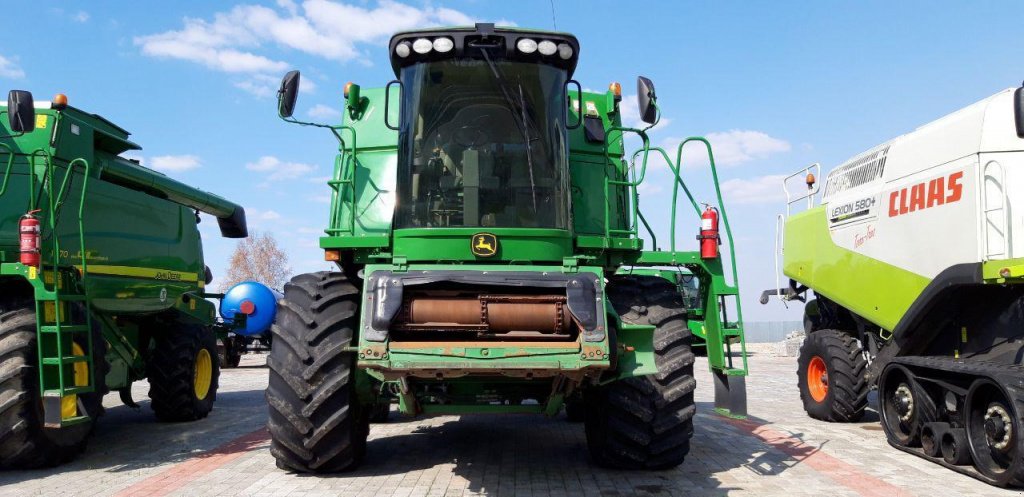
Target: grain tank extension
101, 282
915, 256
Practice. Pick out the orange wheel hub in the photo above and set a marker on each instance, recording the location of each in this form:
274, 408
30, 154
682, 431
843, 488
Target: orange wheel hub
817, 379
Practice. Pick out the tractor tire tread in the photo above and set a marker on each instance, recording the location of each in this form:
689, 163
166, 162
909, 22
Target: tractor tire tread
646, 422
315, 423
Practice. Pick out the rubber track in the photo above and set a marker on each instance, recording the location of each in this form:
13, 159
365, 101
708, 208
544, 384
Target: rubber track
1005, 375
24, 443
171, 369
647, 422
315, 425
848, 387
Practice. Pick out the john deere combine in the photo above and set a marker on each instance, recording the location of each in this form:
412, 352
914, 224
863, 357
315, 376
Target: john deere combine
916, 259
485, 225
101, 282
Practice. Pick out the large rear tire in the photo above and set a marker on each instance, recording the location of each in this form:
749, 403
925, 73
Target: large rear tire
24, 442
183, 373
830, 375
317, 423
646, 422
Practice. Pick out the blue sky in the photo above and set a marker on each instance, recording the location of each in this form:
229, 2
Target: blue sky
774, 85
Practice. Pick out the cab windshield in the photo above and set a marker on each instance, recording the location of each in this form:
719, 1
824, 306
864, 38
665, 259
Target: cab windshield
483, 144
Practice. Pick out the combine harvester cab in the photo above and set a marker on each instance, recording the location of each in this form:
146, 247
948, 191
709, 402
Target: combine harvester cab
915, 256
485, 225
101, 282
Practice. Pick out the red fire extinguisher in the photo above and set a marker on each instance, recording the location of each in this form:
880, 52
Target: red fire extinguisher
709, 239
28, 228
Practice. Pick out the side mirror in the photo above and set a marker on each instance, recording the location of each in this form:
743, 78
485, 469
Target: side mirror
646, 99
287, 94
21, 111
1018, 111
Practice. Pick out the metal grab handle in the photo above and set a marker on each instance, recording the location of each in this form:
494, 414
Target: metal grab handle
811, 190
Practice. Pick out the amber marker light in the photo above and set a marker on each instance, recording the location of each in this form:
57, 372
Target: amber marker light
60, 101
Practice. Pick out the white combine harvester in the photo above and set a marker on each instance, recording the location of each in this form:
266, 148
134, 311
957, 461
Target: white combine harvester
915, 256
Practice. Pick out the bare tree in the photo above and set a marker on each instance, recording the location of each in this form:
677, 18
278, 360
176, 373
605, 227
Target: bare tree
258, 258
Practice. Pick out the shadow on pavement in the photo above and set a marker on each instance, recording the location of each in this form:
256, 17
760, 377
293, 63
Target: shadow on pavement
550, 455
127, 439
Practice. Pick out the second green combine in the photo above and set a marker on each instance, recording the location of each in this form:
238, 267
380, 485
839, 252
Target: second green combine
102, 282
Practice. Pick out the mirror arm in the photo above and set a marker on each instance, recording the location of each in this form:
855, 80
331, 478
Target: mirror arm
334, 129
657, 115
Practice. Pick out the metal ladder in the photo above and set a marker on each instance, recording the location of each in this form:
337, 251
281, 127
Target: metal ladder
63, 299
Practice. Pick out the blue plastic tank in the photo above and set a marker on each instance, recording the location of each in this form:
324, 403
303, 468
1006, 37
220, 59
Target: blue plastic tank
254, 299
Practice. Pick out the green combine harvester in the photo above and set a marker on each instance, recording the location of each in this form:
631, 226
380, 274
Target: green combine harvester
485, 224
101, 282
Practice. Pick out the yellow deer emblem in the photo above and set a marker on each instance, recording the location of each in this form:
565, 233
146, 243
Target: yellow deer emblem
484, 245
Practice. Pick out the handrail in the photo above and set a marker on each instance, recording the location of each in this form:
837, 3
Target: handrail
677, 171
812, 189
629, 184
721, 204
7, 171
344, 175
780, 250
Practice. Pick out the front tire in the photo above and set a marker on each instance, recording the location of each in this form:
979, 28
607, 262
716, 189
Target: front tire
24, 442
317, 423
183, 373
646, 422
830, 375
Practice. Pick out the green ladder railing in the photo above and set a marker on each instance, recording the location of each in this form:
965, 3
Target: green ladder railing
64, 291
730, 329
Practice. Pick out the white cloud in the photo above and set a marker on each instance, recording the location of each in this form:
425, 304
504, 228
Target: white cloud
232, 40
764, 189
320, 199
731, 147
738, 146
175, 163
277, 170
9, 69
269, 215
80, 16
321, 111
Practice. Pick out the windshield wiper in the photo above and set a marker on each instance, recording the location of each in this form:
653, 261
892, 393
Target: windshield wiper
521, 121
529, 149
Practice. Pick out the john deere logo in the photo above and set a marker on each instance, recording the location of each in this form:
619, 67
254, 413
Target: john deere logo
484, 245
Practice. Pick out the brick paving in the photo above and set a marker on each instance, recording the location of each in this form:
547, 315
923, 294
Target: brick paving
778, 451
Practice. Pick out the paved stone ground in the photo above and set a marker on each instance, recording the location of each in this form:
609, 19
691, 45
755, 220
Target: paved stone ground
778, 451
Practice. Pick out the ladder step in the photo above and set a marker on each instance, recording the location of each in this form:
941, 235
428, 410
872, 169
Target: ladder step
64, 328
71, 359
70, 391
76, 420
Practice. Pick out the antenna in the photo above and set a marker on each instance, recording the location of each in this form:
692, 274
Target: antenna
554, 25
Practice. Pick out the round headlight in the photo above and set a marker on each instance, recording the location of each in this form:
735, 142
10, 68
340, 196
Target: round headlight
422, 46
564, 51
443, 44
402, 49
547, 47
526, 45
